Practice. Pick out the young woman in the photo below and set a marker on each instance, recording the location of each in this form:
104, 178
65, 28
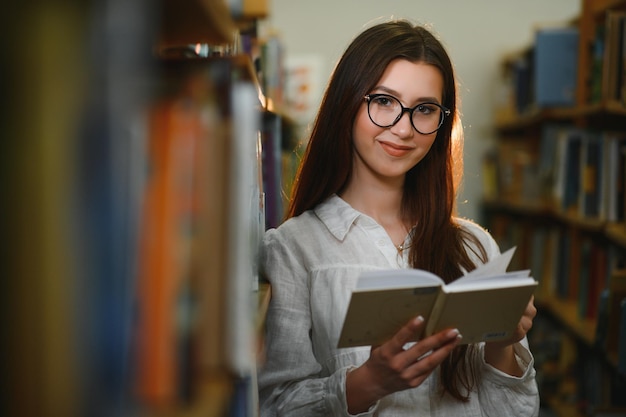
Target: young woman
376, 189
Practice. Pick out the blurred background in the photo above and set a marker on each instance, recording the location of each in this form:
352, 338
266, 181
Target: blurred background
146, 147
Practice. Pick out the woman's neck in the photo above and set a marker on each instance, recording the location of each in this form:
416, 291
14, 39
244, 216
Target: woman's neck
383, 204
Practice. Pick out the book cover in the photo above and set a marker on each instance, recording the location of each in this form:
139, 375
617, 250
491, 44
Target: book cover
621, 353
598, 280
572, 172
523, 79
609, 167
591, 176
616, 293
597, 64
485, 305
271, 135
555, 66
611, 76
585, 280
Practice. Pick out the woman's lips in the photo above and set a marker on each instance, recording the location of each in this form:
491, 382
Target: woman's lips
395, 150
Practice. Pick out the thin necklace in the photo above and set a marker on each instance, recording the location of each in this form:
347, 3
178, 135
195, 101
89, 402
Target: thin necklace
401, 247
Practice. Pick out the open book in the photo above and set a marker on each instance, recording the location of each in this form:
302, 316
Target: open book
485, 305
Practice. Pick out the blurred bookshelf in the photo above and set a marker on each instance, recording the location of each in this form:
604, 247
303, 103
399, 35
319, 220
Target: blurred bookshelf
133, 160
554, 187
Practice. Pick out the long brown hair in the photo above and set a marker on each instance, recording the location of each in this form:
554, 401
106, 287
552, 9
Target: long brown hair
430, 186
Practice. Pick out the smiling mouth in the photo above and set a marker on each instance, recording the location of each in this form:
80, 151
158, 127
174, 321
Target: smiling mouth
395, 150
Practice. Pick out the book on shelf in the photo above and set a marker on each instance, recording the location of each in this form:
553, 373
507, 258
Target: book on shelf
621, 346
245, 222
548, 160
616, 294
555, 66
271, 134
584, 277
612, 82
612, 186
597, 64
562, 264
622, 61
586, 176
485, 305
165, 262
523, 80
591, 176
572, 172
620, 198
599, 267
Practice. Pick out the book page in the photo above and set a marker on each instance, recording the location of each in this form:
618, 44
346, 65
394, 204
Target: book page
397, 278
506, 280
495, 266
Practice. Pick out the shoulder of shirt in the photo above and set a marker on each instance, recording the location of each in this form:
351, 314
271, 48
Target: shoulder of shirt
470, 225
332, 216
292, 227
481, 233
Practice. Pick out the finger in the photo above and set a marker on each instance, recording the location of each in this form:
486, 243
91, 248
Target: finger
445, 339
531, 310
425, 363
530, 307
409, 332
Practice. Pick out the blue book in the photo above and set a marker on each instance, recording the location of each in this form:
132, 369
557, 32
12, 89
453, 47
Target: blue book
622, 339
572, 178
555, 67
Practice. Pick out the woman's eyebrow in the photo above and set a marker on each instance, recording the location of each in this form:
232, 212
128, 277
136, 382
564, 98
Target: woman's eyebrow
388, 90
397, 95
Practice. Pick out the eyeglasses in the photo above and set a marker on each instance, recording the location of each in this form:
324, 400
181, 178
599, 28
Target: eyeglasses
385, 111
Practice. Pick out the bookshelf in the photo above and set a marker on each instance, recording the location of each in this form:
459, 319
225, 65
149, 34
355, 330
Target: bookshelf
123, 163
549, 190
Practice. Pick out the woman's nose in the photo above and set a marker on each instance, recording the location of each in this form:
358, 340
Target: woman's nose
403, 128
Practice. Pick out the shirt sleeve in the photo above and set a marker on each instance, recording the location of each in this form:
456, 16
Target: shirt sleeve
290, 380
503, 394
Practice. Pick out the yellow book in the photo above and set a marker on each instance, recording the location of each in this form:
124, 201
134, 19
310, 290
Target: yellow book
485, 304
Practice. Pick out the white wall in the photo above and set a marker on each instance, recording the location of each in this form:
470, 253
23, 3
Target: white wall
476, 33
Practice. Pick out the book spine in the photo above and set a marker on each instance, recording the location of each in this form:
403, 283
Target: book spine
244, 201
435, 313
621, 359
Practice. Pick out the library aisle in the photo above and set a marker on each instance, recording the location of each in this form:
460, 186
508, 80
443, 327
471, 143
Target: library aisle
554, 186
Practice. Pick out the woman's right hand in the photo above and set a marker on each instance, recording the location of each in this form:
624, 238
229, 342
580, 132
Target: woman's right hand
391, 368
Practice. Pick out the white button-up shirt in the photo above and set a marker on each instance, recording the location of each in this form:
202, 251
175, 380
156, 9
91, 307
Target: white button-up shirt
313, 262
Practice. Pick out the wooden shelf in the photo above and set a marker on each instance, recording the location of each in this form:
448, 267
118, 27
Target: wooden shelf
195, 21
609, 110
599, 7
252, 10
567, 313
616, 232
205, 21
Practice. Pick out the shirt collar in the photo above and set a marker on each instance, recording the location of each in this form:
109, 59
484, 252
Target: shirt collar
337, 215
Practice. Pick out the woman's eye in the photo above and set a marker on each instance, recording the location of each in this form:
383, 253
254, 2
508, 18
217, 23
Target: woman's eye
383, 101
425, 109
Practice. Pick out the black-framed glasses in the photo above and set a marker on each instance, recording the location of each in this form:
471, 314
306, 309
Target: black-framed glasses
385, 111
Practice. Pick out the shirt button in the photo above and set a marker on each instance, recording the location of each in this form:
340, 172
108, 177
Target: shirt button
381, 242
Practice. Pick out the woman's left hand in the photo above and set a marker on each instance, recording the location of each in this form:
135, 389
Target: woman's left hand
500, 354
525, 323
